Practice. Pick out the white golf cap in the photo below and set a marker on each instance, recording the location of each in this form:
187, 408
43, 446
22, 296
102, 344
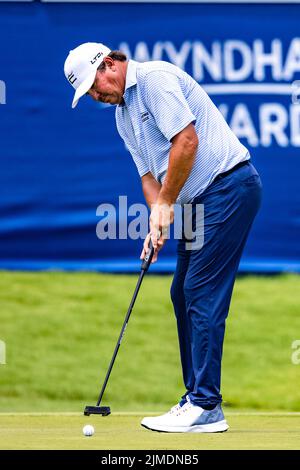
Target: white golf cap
81, 67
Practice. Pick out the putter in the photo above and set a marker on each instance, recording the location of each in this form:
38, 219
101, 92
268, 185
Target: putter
105, 410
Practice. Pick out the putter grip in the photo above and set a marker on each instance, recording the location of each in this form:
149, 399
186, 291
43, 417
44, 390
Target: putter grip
148, 257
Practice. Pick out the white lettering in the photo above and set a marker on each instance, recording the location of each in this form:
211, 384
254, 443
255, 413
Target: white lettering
296, 354
262, 59
141, 53
178, 58
113, 460
124, 47
106, 227
273, 121
2, 352
231, 73
138, 227
2, 92
295, 124
231, 60
292, 63
157, 51
223, 108
196, 236
122, 217
212, 63
295, 92
242, 125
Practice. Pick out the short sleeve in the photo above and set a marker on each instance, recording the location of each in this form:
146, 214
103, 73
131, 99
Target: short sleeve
167, 103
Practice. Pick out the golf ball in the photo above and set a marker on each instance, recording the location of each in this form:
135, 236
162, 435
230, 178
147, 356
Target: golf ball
88, 430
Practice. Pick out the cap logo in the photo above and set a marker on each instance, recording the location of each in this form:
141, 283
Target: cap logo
96, 57
72, 78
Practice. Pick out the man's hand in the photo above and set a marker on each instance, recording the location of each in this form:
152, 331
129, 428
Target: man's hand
181, 160
160, 244
162, 215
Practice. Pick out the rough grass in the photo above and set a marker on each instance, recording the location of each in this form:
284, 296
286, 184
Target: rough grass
60, 330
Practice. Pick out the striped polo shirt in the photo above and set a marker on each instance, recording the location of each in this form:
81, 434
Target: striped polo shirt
160, 100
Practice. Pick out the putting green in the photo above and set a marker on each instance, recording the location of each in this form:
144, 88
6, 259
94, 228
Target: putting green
123, 431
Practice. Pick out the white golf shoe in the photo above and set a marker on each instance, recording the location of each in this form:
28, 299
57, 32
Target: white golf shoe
188, 418
173, 410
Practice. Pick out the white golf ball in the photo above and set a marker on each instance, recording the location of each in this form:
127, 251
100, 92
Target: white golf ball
88, 430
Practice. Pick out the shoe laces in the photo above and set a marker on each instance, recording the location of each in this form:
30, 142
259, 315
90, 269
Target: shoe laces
175, 409
183, 409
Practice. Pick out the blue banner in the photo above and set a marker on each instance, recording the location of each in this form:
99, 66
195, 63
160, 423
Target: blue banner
58, 165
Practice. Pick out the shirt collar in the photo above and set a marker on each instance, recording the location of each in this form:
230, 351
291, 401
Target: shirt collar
131, 74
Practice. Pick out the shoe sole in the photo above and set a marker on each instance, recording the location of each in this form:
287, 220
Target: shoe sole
220, 426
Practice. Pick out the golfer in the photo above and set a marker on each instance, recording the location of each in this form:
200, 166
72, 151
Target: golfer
185, 153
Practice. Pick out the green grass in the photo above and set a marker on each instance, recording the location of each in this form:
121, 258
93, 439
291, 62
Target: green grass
60, 330
247, 431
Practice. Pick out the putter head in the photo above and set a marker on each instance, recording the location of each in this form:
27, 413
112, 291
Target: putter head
97, 410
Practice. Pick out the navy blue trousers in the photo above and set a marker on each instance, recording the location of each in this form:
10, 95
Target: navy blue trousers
203, 281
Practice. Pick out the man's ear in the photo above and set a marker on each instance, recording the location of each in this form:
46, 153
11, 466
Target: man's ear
109, 62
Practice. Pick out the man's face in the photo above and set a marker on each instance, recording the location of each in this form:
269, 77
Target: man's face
109, 84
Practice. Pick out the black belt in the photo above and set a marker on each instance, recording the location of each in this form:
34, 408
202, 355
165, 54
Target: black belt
239, 165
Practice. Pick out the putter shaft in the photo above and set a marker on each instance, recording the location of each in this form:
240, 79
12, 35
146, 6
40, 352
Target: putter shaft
105, 410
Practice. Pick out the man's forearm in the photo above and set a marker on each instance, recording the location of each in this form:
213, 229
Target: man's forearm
151, 189
181, 161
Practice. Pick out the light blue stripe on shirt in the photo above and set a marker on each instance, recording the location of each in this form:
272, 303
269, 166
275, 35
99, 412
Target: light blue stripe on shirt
160, 100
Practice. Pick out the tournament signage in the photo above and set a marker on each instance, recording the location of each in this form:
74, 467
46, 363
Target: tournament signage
62, 164
240, 74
